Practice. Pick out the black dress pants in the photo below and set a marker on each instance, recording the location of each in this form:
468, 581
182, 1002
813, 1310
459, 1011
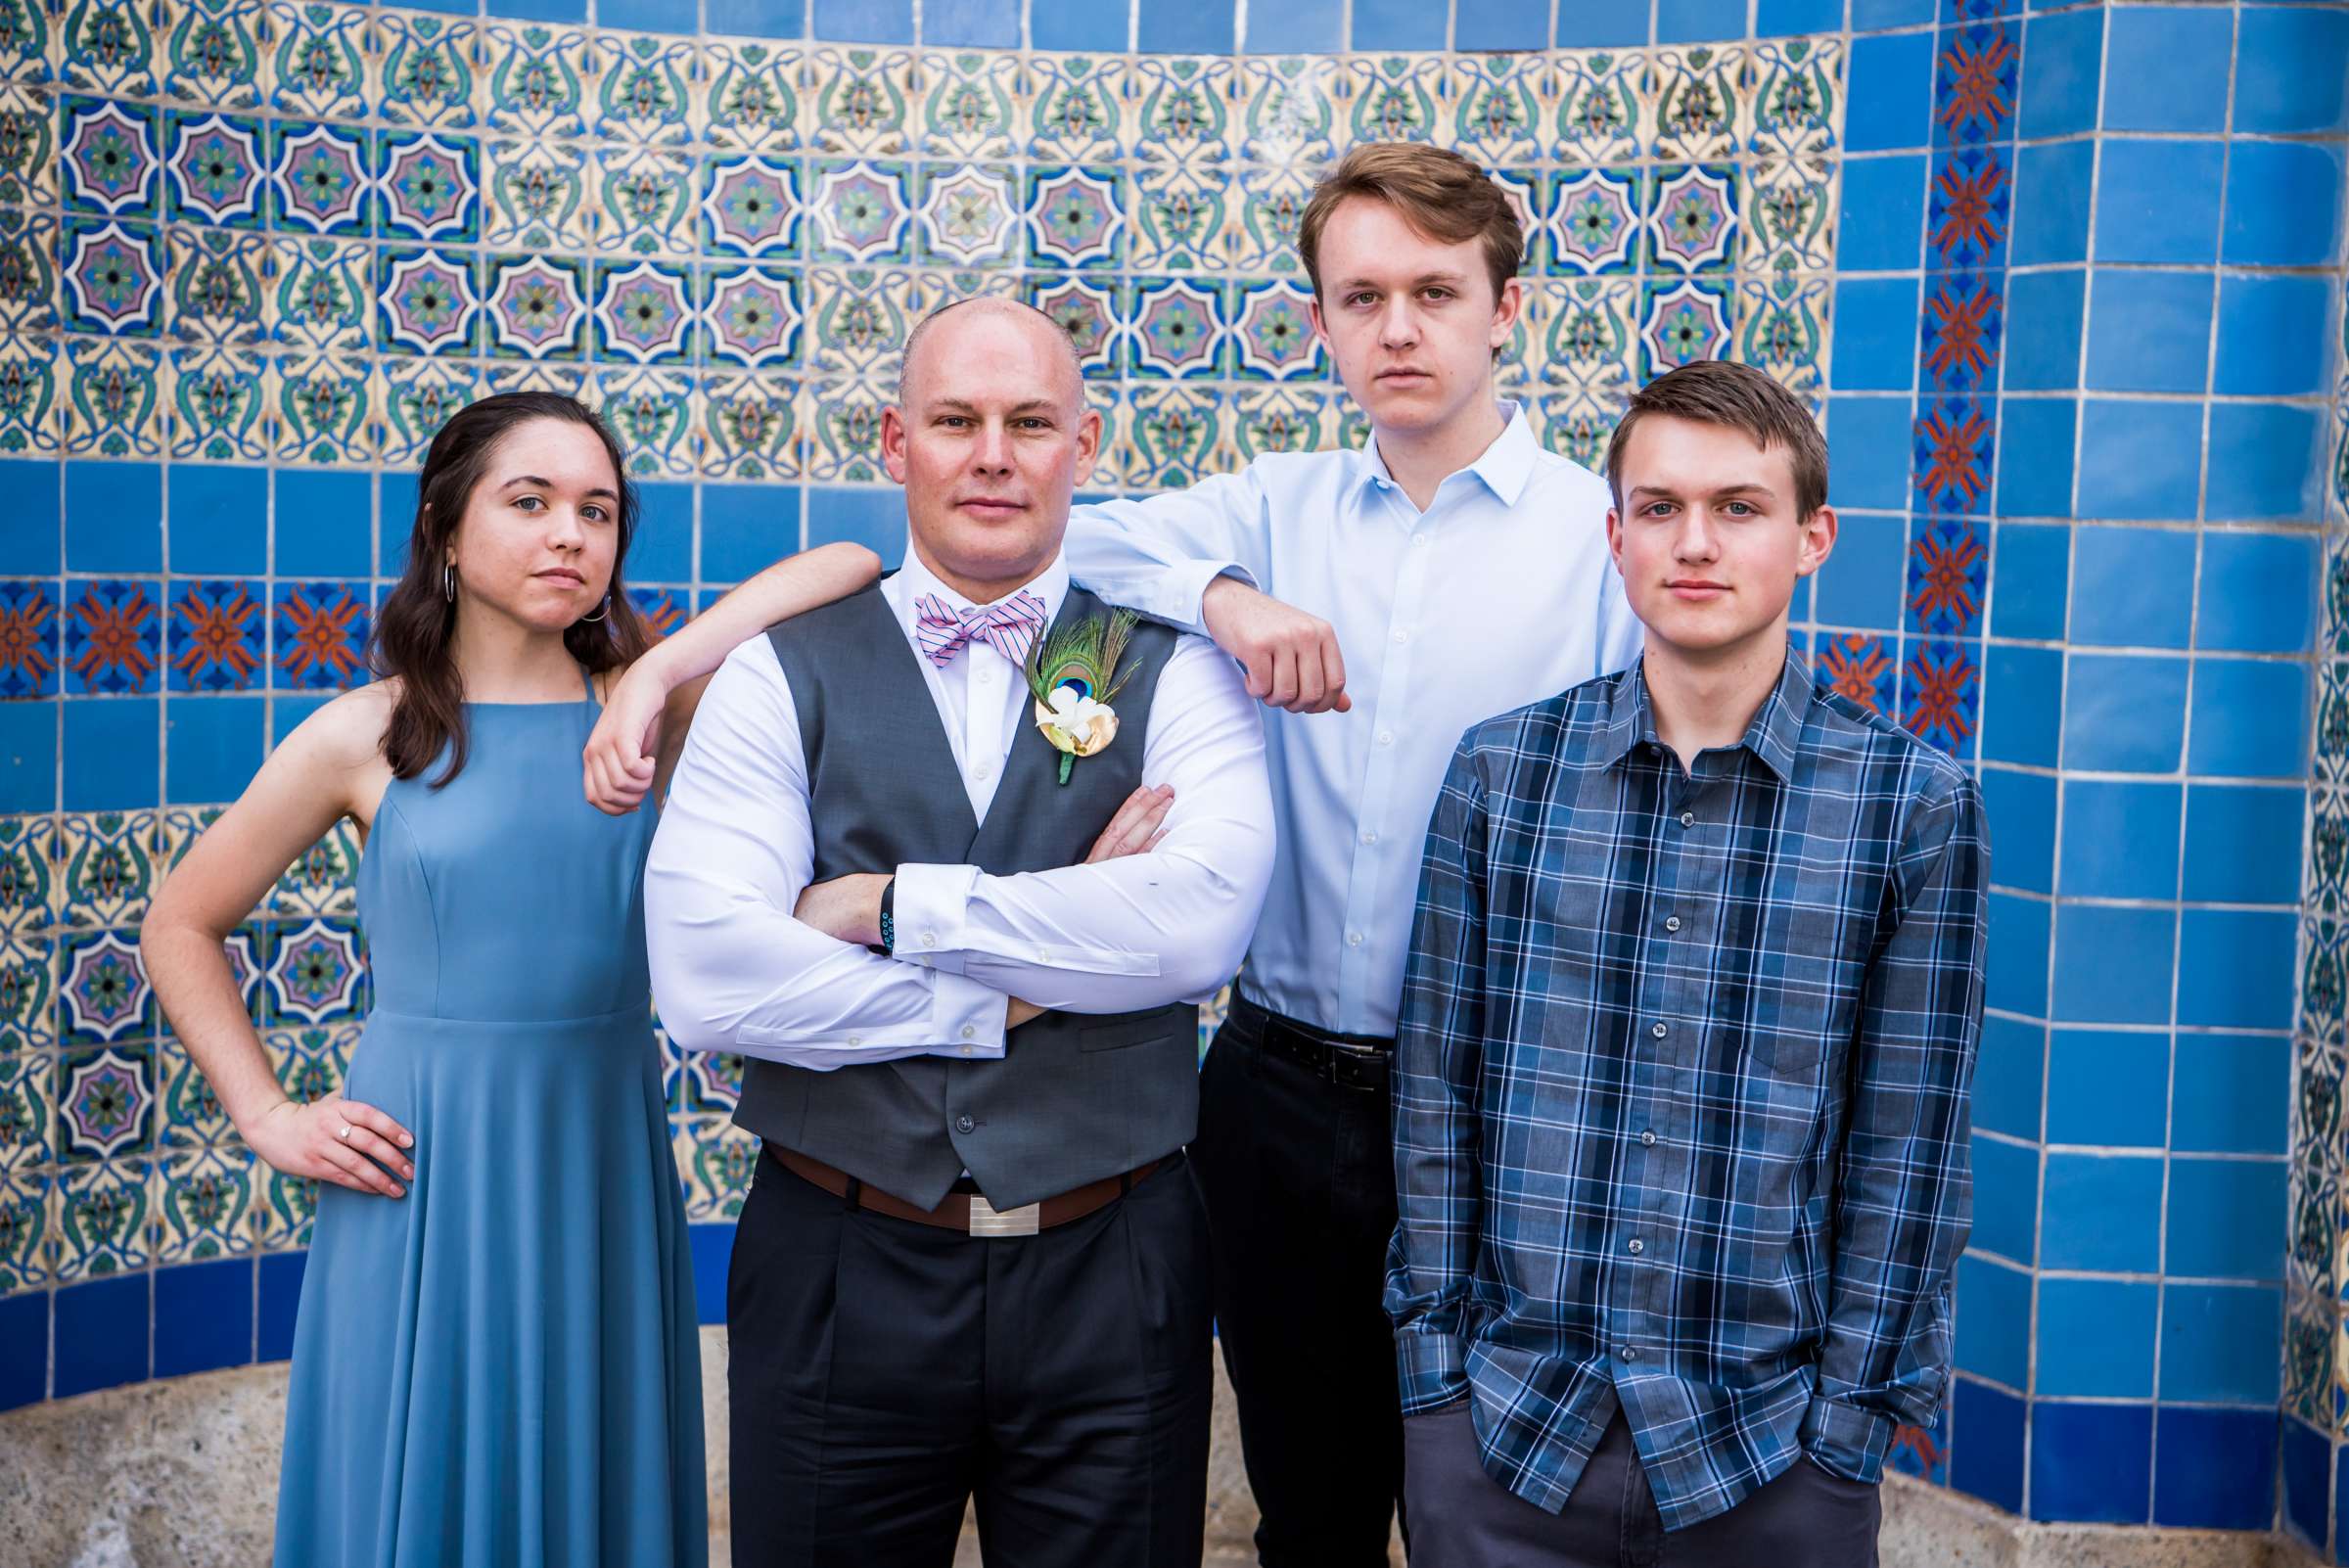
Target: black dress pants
1298, 1170
883, 1371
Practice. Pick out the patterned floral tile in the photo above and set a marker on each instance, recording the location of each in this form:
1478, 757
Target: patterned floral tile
213, 53
27, 986
320, 635
192, 1116
27, 1124
113, 396
316, 973
102, 990
429, 69
28, 1230
222, 401
107, 867
31, 637
755, 96
28, 162
203, 1200
113, 637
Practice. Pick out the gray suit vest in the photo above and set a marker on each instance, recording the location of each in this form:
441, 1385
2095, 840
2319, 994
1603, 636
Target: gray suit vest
1075, 1097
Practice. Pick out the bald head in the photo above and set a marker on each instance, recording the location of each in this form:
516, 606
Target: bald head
954, 314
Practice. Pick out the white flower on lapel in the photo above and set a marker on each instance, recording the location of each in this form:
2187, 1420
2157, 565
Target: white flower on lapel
1076, 725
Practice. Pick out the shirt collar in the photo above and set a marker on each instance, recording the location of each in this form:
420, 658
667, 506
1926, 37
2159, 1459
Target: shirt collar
1506, 466
1774, 735
913, 579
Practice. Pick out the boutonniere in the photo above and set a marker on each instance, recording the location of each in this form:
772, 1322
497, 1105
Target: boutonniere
1073, 672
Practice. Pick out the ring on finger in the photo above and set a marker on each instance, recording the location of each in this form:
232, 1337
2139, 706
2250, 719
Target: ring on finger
343, 1131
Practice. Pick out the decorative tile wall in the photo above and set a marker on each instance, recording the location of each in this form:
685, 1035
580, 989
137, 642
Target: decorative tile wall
2063, 283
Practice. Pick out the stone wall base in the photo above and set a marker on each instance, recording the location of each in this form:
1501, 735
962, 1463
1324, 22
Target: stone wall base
182, 1473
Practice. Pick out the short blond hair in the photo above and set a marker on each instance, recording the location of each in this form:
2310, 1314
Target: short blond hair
1439, 193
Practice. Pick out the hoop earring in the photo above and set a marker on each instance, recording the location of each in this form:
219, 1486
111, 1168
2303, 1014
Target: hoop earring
449, 581
601, 611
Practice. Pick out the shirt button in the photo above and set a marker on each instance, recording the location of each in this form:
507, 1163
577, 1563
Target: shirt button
969, 1032
1671, 922
929, 939
1386, 737
1635, 1246
963, 1124
985, 771
1354, 939
1688, 820
966, 1050
1402, 636
855, 1039
986, 677
1418, 538
1369, 838
1647, 1141
1628, 1352
1659, 1031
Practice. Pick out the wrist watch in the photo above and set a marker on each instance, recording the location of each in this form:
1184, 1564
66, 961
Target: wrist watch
888, 916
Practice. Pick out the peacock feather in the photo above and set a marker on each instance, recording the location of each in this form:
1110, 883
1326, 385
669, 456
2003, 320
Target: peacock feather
1083, 654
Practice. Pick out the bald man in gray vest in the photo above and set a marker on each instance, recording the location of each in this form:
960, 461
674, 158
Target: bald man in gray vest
946, 923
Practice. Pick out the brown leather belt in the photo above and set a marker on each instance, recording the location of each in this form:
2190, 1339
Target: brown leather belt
967, 1212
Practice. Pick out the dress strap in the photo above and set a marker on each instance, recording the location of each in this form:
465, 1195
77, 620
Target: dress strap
587, 680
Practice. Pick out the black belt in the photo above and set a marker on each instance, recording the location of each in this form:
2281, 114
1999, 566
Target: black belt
1349, 1061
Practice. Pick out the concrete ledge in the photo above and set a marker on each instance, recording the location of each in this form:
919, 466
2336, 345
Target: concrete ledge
182, 1473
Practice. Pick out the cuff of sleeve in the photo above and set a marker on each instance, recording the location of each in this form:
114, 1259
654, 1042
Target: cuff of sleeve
1846, 1440
1182, 601
1433, 1368
967, 1019
932, 901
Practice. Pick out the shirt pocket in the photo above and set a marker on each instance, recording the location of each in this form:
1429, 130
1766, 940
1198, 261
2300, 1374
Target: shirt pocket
1808, 968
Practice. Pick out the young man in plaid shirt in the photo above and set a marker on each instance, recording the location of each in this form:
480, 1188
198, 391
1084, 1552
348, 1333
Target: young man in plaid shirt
1688, 1035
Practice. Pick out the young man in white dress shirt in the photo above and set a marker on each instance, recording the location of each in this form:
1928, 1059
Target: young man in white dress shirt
1464, 572
970, 1260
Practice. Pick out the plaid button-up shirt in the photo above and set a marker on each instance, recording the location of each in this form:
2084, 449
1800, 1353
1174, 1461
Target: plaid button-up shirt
1681, 1093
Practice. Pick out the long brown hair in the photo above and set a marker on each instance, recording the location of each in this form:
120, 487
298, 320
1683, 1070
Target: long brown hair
418, 620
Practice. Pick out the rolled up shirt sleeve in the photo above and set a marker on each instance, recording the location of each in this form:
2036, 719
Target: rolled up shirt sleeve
1142, 931
1157, 554
732, 970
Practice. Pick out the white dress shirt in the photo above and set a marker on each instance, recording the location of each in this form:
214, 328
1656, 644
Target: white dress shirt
1500, 594
732, 971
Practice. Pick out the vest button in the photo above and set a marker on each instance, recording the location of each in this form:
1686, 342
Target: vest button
963, 1124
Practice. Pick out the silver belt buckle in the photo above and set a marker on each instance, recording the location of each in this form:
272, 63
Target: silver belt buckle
988, 1221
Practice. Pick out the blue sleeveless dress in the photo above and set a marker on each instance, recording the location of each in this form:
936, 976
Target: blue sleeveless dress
501, 1370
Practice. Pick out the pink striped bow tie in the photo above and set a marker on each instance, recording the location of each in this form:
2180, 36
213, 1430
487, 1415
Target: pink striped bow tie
1008, 626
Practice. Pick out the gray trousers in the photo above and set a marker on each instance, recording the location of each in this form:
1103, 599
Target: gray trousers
1462, 1518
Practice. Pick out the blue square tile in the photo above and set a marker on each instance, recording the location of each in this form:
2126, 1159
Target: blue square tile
2221, 1344
2009, 1067
2124, 713
2052, 185
2092, 1463
24, 1348
541, 9
2108, 1088
2031, 579
219, 521
2021, 808
1860, 586
2307, 1481
713, 1253
1867, 440
2106, 961
2140, 461
2016, 966
2283, 203
2099, 1211
2272, 335
2242, 971
2022, 702
214, 745
2214, 1470
113, 517
767, 18
869, 22
1206, 28
202, 1316
33, 545
2120, 839
1781, 18
2157, 201
287, 711
2242, 843
2291, 72
745, 528
1080, 25
2265, 463
2149, 331
2250, 718
1580, 23
1400, 25
1883, 221
1888, 105
2222, 1220
2165, 68
2233, 1093
2063, 60
660, 546
281, 1295
1986, 1450
2043, 330
2006, 1199
28, 757
1699, 21
1875, 15
101, 1334
112, 759
1994, 1320
978, 23
647, 16
2036, 438
1875, 333
325, 523
2095, 1339
872, 518
2134, 587
396, 502
1294, 27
